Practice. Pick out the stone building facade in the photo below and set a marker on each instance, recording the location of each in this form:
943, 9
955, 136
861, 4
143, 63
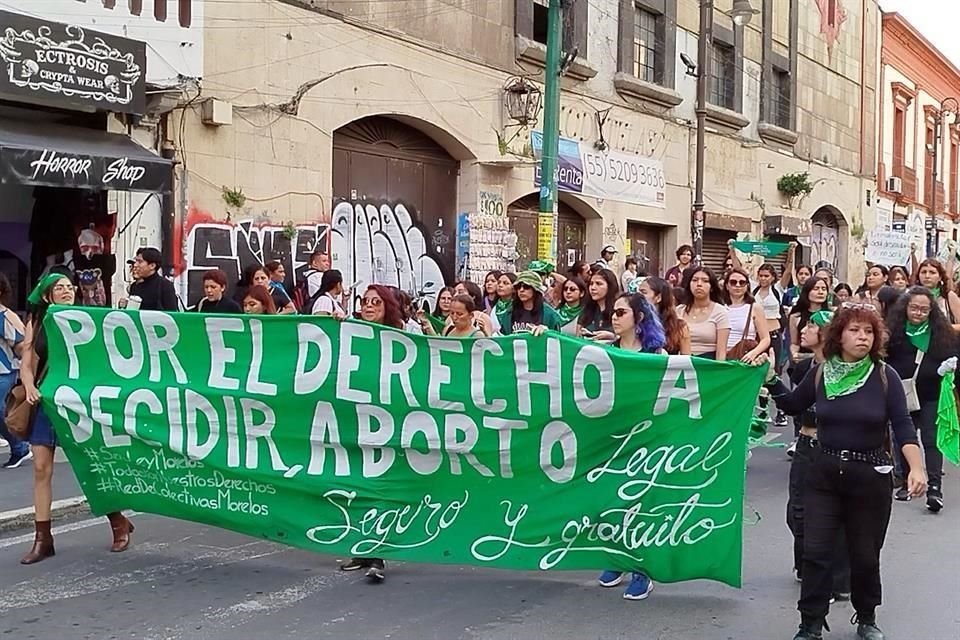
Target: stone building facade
378, 129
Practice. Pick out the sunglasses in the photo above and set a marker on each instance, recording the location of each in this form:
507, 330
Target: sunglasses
522, 285
371, 302
737, 283
620, 312
571, 288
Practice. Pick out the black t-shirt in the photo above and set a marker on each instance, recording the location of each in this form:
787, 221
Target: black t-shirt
799, 371
223, 305
523, 320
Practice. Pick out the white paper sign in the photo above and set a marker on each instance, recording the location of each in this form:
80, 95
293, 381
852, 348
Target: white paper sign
888, 248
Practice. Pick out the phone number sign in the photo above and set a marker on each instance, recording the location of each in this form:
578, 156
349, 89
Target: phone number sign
611, 175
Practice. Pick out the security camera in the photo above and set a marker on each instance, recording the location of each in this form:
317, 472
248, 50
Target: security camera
689, 64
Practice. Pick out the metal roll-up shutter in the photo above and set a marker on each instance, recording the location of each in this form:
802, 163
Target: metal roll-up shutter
715, 248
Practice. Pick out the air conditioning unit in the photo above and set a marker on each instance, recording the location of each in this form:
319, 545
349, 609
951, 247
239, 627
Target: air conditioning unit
895, 184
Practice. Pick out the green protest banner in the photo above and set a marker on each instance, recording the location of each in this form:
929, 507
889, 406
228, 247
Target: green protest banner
344, 437
765, 248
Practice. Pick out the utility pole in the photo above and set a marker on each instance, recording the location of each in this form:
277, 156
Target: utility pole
704, 41
547, 220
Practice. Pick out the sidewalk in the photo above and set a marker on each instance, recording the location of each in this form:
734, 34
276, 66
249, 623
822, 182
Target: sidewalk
16, 492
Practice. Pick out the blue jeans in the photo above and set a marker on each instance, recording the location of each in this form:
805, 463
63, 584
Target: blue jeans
17, 446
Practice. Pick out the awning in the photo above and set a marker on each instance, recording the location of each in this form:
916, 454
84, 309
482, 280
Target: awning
39, 153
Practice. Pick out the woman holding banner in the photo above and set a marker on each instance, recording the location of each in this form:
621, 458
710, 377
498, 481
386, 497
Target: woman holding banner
596, 321
659, 293
54, 288
638, 328
529, 313
855, 396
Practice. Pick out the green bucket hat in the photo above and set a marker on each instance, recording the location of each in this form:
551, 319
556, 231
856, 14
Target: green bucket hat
531, 279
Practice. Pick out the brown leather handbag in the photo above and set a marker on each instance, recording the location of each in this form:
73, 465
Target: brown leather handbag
19, 413
746, 345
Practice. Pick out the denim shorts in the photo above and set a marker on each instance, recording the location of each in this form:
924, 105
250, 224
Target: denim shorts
42, 434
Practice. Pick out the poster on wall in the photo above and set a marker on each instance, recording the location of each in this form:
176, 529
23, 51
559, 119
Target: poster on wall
608, 175
463, 246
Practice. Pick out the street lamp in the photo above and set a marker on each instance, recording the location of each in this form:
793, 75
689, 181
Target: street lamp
741, 13
948, 106
522, 100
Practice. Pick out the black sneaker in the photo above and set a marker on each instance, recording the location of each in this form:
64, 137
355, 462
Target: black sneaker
808, 633
867, 628
17, 459
376, 571
780, 420
902, 495
934, 499
355, 564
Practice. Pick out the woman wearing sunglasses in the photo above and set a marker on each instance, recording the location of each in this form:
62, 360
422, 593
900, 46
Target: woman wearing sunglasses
378, 305
529, 314
749, 336
573, 291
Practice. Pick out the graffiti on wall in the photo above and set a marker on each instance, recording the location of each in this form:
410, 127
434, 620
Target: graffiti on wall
233, 246
382, 244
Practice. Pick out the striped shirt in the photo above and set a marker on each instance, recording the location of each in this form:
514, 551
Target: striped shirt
11, 334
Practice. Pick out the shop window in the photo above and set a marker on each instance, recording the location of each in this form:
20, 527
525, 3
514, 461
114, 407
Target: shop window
723, 69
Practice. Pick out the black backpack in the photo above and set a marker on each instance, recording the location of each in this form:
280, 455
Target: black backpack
301, 297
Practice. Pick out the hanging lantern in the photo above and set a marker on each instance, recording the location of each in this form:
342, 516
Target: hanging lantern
522, 100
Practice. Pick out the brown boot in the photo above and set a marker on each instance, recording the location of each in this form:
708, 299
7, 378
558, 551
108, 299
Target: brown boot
42, 544
122, 528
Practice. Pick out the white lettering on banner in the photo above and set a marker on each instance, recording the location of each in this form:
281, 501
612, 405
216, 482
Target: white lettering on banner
124, 172
144, 397
888, 248
504, 429
220, 354
304, 381
597, 359
105, 418
624, 177
440, 374
128, 367
549, 378
477, 396
677, 367
423, 462
377, 526
69, 402
377, 457
50, 162
457, 423
553, 434
72, 338
325, 434
401, 370
152, 322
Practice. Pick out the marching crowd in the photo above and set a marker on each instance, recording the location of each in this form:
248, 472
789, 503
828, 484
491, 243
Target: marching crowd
840, 348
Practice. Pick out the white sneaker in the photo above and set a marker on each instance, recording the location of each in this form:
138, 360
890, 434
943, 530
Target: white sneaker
792, 449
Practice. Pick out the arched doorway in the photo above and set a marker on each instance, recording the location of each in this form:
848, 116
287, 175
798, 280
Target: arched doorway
571, 232
395, 206
825, 240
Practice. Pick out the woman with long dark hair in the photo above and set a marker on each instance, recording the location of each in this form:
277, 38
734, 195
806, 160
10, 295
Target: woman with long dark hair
54, 288
379, 305
529, 313
504, 294
258, 300
932, 275
660, 294
485, 323
921, 339
705, 314
596, 320
813, 297
857, 398
573, 291
748, 322
842, 293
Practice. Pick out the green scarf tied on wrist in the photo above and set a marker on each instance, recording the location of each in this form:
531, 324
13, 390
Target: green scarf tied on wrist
843, 378
919, 335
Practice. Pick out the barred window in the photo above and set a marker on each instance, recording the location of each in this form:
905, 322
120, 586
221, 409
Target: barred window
647, 37
722, 71
781, 103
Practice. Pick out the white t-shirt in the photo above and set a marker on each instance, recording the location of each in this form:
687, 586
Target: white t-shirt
314, 279
327, 304
625, 278
770, 302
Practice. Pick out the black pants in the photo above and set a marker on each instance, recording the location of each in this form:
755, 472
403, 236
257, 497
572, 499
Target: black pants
799, 467
849, 497
925, 421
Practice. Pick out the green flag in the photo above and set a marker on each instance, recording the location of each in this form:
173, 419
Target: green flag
768, 249
948, 425
525, 452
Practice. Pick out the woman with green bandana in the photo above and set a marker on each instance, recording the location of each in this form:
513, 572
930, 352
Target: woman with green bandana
812, 338
921, 339
504, 294
573, 291
529, 313
857, 398
931, 274
54, 288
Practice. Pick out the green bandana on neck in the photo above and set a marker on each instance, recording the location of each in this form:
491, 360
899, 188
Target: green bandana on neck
503, 306
936, 292
919, 335
568, 313
843, 378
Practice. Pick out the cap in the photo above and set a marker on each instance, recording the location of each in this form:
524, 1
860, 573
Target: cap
609, 249
150, 255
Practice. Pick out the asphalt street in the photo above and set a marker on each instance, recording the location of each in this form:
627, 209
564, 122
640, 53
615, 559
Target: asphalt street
185, 581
